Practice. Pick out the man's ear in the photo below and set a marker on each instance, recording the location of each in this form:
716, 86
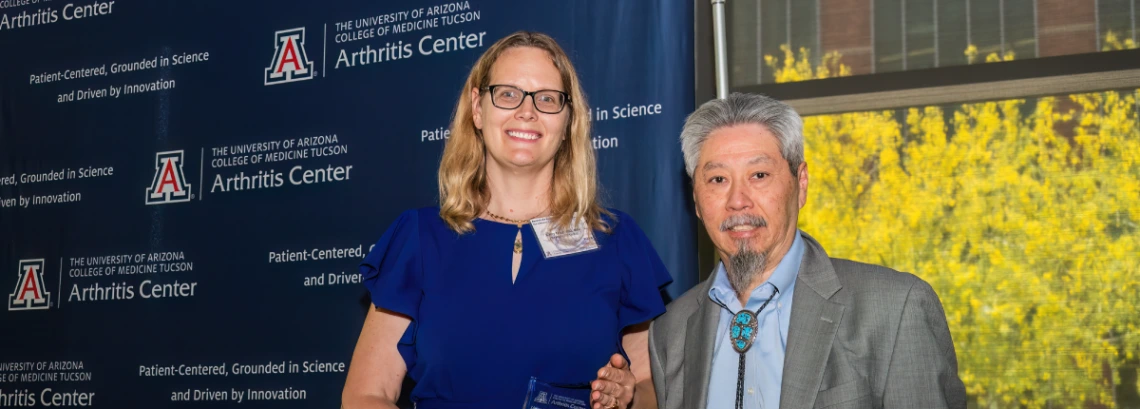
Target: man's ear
802, 176
697, 205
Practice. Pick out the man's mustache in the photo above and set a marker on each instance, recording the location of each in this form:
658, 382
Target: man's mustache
743, 220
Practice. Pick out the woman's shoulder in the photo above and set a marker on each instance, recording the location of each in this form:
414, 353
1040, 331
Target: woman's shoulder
422, 215
404, 232
618, 220
413, 221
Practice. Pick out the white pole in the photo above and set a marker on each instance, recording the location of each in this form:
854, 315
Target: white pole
720, 49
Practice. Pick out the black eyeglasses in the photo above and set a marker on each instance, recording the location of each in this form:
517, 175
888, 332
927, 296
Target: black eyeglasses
510, 97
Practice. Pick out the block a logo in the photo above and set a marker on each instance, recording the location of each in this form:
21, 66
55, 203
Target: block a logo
30, 292
169, 183
541, 398
290, 61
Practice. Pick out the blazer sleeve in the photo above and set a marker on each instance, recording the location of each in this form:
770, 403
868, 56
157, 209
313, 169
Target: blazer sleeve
923, 371
657, 368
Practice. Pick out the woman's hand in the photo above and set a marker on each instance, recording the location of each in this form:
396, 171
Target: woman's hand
614, 387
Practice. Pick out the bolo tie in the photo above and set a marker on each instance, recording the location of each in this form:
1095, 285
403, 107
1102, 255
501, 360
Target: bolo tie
745, 325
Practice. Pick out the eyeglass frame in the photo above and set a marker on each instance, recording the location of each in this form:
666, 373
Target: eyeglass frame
490, 89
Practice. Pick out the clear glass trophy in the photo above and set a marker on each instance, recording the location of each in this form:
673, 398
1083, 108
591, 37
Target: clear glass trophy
544, 395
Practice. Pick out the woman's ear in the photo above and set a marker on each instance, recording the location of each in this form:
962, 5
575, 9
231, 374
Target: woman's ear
476, 108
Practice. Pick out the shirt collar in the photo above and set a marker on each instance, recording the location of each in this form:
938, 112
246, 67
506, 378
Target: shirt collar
783, 277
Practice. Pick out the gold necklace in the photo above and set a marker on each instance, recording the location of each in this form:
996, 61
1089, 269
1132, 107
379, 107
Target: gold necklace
519, 223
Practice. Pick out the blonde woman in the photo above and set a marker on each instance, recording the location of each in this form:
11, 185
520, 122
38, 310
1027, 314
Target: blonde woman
519, 276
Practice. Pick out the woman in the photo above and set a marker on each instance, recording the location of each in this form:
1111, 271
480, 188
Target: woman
470, 300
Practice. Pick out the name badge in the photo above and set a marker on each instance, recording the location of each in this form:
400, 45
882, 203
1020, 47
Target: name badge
542, 395
563, 242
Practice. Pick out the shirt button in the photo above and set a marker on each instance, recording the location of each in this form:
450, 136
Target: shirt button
779, 305
750, 391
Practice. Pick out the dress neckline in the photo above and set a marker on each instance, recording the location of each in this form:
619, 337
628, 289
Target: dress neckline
497, 223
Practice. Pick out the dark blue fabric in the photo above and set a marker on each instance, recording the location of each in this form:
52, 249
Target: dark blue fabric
476, 338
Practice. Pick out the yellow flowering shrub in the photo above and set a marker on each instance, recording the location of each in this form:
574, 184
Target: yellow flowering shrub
1023, 214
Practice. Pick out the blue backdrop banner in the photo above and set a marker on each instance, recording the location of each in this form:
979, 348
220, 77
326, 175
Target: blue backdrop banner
187, 187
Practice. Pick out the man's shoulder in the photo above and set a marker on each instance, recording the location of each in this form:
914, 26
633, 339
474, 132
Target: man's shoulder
861, 277
865, 279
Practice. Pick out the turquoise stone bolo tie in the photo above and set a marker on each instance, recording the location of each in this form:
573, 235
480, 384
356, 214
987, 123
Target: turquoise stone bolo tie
745, 325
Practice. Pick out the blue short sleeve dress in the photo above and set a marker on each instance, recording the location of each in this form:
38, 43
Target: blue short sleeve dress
476, 337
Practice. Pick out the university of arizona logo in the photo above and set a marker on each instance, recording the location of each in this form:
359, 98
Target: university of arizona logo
30, 292
290, 62
169, 183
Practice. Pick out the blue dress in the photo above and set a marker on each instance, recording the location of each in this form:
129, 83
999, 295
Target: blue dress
476, 338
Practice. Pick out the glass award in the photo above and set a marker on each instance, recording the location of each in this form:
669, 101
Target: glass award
544, 395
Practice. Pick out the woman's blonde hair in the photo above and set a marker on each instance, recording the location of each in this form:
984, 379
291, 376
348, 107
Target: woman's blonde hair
463, 191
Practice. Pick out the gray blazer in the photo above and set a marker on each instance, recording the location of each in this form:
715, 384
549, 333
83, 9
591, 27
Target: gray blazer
861, 336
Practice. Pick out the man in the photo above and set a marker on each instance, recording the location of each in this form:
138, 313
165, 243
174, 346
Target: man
780, 324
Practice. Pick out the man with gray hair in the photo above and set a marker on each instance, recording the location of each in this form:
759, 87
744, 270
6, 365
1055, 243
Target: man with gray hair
780, 324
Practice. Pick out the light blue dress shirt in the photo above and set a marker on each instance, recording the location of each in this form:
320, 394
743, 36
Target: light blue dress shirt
764, 361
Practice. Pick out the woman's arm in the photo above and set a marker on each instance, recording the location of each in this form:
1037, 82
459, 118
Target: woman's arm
624, 384
377, 370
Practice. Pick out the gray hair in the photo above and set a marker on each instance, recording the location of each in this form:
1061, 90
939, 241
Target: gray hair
738, 109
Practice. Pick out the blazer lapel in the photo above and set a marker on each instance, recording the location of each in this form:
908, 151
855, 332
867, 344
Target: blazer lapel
811, 332
699, 335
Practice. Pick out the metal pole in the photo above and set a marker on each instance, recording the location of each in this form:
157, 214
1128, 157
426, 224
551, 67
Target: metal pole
720, 49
